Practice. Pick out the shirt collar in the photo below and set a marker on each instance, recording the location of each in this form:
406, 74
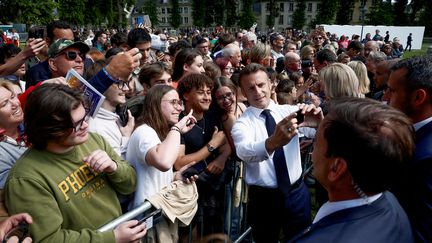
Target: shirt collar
257, 111
420, 124
331, 207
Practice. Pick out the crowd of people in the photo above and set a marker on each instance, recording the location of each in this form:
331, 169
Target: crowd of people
248, 108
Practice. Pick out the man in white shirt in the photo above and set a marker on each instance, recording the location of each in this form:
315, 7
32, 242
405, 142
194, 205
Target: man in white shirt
278, 198
360, 149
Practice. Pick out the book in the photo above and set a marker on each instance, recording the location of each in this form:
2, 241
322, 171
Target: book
93, 98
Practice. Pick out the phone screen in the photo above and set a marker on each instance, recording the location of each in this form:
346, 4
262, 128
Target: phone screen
299, 117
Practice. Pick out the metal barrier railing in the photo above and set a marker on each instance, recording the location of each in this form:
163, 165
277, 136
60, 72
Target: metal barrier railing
125, 217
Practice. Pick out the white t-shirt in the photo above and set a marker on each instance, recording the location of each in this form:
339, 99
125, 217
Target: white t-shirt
150, 180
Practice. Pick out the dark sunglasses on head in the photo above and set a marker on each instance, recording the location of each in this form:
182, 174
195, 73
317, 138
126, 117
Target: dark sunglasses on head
72, 55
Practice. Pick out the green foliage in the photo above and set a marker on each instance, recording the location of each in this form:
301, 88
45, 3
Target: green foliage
344, 14
327, 12
231, 12
399, 10
274, 13
425, 19
150, 9
27, 11
72, 11
247, 18
380, 13
198, 12
175, 14
299, 16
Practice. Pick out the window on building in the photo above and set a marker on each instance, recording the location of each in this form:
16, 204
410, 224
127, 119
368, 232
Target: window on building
318, 7
186, 10
186, 20
291, 7
281, 19
268, 7
180, 10
168, 10
281, 7
309, 7
289, 20
163, 20
163, 10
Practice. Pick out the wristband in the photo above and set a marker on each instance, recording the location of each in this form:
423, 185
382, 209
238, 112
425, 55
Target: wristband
175, 128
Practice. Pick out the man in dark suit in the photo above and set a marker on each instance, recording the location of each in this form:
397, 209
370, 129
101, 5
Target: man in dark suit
410, 90
360, 147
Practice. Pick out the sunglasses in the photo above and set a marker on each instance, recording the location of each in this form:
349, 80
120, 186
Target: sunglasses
318, 38
72, 55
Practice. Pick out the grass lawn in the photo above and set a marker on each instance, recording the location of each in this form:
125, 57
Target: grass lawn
414, 53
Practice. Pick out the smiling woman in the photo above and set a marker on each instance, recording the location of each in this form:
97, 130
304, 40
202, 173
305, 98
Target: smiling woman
11, 146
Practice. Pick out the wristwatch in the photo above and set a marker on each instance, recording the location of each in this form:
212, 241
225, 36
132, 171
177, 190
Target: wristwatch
210, 148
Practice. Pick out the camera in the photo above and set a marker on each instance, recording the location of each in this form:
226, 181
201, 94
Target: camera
306, 63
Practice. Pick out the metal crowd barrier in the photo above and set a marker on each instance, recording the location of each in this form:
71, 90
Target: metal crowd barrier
125, 217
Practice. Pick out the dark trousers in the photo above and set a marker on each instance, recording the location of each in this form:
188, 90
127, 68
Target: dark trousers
269, 213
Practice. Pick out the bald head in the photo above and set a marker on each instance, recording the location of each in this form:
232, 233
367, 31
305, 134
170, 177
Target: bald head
382, 72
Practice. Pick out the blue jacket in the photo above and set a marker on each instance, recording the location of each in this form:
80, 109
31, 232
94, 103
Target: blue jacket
384, 220
417, 191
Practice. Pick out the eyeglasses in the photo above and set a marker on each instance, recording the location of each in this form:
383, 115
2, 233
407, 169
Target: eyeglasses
72, 55
122, 84
77, 125
175, 102
318, 38
227, 96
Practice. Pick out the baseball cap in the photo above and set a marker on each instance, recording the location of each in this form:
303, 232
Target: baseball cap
61, 44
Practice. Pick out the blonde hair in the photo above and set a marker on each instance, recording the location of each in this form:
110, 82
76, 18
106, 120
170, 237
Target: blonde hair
305, 52
361, 72
259, 52
6, 84
339, 80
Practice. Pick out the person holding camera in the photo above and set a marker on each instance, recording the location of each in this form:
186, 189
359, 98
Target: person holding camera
266, 139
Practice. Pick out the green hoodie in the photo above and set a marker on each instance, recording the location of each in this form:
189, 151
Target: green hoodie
67, 201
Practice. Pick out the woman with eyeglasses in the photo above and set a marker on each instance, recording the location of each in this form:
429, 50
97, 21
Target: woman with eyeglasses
225, 66
155, 144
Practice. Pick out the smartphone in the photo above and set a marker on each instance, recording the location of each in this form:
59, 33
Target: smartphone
195, 169
299, 117
151, 219
37, 33
123, 114
21, 231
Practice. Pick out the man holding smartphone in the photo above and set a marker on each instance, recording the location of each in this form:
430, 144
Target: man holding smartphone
278, 198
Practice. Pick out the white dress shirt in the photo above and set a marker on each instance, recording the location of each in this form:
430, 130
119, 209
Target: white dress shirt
420, 124
249, 134
331, 207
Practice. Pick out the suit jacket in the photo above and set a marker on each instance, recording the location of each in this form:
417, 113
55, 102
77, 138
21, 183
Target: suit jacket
416, 197
384, 220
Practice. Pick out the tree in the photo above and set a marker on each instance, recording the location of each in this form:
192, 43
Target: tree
150, 9
175, 14
344, 13
232, 15
198, 12
299, 18
274, 13
327, 12
27, 11
72, 11
247, 18
399, 11
380, 13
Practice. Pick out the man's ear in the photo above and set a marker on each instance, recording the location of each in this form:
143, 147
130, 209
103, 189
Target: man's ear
337, 168
52, 64
420, 96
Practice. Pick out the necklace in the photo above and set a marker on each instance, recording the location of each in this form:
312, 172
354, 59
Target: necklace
203, 125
